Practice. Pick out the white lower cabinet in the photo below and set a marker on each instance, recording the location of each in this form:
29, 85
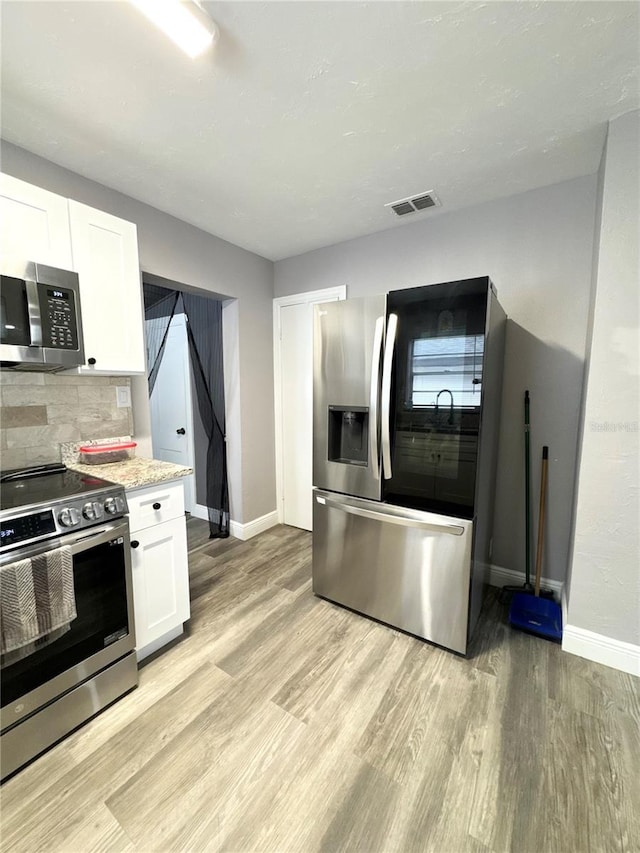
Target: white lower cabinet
160, 570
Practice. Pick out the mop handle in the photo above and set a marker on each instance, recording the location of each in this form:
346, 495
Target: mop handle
541, 516
527, 493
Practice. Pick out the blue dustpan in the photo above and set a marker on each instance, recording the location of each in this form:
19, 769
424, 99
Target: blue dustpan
536, 615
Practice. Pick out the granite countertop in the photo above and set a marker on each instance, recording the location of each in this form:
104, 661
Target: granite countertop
134, 473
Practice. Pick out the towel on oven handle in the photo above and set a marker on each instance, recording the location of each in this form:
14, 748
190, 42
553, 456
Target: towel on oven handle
37, 602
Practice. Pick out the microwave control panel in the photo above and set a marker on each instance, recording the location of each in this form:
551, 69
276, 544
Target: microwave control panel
58, 312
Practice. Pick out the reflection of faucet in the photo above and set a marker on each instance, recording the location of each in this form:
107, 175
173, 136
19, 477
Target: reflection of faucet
445, 391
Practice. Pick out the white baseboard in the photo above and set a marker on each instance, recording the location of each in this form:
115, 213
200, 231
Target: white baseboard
199, 511
252, 528
499, 576
601, 649
241, 531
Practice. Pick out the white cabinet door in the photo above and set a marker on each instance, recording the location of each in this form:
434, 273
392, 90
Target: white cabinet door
105, 256
160, 580
34, 224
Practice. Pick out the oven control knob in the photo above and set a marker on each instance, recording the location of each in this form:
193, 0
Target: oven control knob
110, 506
69, 517
92, 510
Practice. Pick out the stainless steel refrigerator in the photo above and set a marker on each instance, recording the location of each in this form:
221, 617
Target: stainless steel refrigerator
406, 413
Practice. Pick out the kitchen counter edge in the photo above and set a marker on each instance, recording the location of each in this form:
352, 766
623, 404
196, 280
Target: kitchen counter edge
134, 473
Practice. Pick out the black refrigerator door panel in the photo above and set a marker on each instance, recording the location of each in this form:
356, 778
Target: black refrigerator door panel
436, 395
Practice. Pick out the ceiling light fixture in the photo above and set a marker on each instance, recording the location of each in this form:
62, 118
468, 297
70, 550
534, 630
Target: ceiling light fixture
184, 21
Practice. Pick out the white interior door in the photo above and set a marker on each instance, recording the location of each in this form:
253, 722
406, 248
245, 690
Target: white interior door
297, 398
171, 402
293, 355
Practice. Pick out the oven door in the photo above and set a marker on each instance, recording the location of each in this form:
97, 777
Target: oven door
102, 633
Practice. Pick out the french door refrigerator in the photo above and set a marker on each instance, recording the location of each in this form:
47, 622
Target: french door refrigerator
406, 412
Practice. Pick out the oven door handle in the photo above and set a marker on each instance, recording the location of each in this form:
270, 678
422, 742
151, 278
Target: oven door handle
82, 541
90, 535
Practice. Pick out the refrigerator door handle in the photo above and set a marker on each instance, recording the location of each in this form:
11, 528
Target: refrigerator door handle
387, 365
374, 395
404, 521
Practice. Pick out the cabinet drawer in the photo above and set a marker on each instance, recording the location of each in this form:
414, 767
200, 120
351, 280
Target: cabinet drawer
155, 504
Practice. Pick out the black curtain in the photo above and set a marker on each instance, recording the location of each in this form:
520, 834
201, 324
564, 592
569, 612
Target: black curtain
160, 305
204, 333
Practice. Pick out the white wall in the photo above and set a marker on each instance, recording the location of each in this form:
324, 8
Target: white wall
174, 250
604, 593
537, 248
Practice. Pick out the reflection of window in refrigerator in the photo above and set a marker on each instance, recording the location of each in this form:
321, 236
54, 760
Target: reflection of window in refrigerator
452, 362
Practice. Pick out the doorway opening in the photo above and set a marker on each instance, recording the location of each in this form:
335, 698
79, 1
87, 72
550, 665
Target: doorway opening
183, 329
293, 387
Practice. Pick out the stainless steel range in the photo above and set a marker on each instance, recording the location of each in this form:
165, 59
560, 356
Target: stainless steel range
68, 644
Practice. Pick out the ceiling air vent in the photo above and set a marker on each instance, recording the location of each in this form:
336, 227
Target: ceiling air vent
422, 202
414, 204
403, 207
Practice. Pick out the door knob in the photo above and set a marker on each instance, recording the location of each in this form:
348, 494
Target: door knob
181, 431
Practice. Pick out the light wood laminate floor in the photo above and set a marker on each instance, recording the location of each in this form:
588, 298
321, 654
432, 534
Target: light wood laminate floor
285, 723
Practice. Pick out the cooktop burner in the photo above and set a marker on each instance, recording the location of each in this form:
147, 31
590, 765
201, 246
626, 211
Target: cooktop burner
43, 484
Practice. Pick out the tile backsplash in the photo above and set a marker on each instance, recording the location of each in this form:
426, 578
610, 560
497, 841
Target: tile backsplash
42, 410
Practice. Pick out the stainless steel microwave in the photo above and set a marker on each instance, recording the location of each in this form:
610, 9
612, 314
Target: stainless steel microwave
40, 321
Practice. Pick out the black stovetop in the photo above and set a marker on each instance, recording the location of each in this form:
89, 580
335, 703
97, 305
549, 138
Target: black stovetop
46, 486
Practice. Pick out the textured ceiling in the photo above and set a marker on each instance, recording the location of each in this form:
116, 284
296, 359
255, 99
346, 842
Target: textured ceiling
308, 117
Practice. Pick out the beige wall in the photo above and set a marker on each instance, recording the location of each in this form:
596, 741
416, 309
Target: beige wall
39, 411
604, 593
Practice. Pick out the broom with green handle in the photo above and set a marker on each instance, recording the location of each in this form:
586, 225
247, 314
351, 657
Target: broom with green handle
527, 586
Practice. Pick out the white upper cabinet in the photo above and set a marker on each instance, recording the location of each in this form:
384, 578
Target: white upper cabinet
105, 256
37, 225
34, 224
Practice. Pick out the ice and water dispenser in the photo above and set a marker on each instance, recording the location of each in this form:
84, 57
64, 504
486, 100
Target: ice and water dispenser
348, 434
